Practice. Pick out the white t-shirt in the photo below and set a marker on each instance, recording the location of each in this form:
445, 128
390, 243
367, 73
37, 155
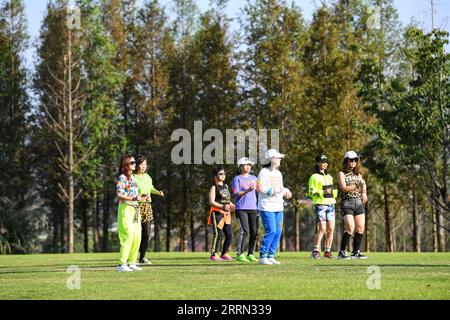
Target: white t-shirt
270, 190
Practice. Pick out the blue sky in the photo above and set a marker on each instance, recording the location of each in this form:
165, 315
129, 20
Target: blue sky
417, 10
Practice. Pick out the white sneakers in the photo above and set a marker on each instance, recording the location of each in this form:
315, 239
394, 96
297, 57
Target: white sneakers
134, 267
124, 268
267, 261
128, 268
274, 261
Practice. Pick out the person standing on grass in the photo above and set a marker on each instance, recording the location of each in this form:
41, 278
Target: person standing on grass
128, 217
220, 215
321, 192
353, 194
271, 205
145, 187
243, 187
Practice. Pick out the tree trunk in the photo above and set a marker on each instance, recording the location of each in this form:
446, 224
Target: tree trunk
388, 222
71, 151
192, 227
205, 224
85, 228
297, 228
416, 222
55, 229
106, 221
181, 238
440, 232
95, 223
156, 231
63, 231
434, 230
367, 225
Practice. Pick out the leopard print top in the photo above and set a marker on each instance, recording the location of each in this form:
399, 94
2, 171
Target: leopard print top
351, 179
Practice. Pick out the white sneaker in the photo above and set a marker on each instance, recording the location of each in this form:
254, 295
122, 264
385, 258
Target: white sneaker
134, 267
274, 261
144, 261
264, 261
124, 268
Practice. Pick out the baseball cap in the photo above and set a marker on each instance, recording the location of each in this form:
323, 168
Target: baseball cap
322, 158
273, 153
245, 160
350, 155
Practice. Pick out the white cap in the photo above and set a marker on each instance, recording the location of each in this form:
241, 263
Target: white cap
350, 155
245, 160
273, 153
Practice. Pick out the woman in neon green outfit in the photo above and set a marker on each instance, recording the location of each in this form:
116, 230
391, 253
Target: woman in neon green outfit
145, 187
323, 195
128, 218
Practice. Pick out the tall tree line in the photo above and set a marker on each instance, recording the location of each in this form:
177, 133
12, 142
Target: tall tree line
111, 77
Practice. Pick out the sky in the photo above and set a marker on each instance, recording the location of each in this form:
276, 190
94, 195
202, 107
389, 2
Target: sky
409, 10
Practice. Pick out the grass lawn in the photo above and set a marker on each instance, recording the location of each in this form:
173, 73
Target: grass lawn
190, 276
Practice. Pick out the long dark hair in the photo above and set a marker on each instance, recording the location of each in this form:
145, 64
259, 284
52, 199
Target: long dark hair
317, 169
125, 166
139, 159
346, 167
215, 172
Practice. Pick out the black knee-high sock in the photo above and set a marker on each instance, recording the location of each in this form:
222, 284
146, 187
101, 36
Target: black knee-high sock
345, 240
357, 241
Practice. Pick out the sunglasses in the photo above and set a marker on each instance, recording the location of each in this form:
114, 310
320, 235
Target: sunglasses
221, 174
133, 162
353, 160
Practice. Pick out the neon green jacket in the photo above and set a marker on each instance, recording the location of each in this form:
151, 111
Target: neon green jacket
315, 189
145, 184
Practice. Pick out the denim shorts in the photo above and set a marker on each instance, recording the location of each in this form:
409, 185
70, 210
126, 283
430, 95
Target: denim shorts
325, 212
352, 206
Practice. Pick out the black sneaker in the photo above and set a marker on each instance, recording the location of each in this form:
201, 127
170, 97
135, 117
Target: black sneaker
343, 255
358, 255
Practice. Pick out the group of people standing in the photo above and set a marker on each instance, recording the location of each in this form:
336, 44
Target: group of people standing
255, 197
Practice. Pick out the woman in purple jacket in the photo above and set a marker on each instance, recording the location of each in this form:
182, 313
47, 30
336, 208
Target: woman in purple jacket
243, 187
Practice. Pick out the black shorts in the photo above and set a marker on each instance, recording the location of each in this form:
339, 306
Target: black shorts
353, 206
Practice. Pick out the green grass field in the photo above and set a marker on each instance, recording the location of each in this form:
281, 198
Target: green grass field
190, 276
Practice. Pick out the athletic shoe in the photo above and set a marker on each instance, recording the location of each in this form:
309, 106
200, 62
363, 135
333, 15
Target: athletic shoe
215, 257
358, 255
226, 257
315, 254
242, 258
274, 261
328, 255
251, 258
145, 261
123, 268
342, 255
134, 267
264, 261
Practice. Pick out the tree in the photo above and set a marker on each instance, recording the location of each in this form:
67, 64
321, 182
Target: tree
14, 122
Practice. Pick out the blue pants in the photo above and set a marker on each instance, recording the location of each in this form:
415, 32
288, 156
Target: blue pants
272, 222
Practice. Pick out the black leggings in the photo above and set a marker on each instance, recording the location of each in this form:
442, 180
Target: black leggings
145, 236
218, 235
248, 222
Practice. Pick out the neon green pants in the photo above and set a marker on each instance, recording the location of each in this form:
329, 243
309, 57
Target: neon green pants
129, 231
